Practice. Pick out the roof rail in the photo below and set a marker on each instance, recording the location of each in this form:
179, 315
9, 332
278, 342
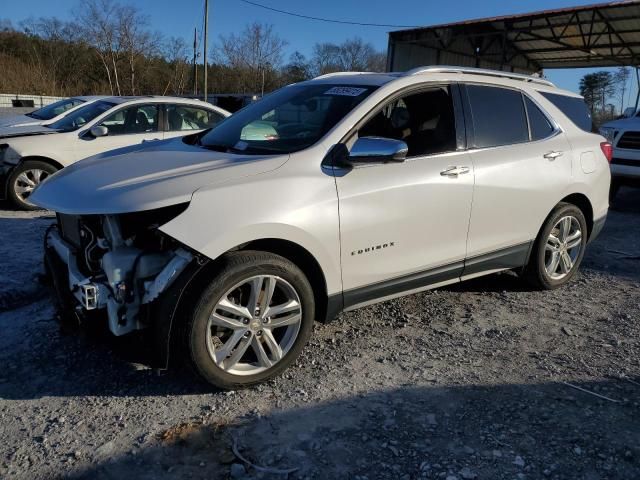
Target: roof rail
478, 71
335, 74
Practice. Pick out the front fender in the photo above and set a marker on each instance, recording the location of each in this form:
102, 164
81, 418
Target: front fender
300, 207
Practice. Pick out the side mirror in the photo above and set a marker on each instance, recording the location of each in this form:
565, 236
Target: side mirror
99, 131
378, 150
629, 112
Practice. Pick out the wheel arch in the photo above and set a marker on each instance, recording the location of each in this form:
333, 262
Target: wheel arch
39, 158
581, 201
304, 260
168, 318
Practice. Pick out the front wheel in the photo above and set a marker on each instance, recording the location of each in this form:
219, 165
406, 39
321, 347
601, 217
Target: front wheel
26, 176
252, 321
559, 248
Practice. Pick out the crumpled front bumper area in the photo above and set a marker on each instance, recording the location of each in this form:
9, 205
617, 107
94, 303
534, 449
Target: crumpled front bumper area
79, 294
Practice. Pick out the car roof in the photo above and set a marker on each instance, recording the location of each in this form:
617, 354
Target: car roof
155, 98
87, 98
355, 78
442, 72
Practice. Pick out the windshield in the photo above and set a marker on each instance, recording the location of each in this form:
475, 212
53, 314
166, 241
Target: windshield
81, 116
55, 109
288, 120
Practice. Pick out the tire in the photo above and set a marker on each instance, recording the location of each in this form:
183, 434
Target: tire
537, 272
209, 338
24, 178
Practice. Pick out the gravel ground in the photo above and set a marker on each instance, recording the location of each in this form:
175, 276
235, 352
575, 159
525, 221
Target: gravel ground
486, 380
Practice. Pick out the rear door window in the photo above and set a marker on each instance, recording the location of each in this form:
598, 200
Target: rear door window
574, 108
184, 117
498, 116
539, 124
131, 120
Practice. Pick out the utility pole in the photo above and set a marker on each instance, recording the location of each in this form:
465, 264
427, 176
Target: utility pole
206, 41
195, 61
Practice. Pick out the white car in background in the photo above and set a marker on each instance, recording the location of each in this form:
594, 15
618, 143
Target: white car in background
49, 113
32, 154
624, 135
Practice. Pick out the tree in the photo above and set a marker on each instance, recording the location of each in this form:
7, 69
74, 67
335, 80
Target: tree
351, 55
97, 19
620, 78
596, 88
255, 54
175, 53
297, 70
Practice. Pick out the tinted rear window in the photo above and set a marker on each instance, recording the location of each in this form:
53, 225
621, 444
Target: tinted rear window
574, 108
499, 117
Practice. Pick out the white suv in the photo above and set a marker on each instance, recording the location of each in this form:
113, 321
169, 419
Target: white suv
326, 196
32, 155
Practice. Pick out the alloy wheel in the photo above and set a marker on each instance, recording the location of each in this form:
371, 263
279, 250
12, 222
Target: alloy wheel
254, 324
563, 247
27, 181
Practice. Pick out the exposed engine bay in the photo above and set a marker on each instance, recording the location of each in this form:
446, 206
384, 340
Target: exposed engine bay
118, 263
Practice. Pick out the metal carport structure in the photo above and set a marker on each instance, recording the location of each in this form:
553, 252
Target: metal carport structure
602, 35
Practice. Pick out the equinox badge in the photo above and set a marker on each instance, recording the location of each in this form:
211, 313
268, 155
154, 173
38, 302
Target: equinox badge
373, 248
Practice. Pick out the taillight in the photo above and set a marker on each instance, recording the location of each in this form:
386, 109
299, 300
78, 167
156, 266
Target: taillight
607, 149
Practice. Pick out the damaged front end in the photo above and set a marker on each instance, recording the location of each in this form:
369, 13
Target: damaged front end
117, 264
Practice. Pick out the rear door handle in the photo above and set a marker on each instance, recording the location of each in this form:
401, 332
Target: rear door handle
454, 171
553, 155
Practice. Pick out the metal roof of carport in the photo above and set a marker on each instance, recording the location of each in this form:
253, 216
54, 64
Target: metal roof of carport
601, 35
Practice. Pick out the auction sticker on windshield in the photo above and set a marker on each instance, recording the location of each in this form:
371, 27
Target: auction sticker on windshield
345, 91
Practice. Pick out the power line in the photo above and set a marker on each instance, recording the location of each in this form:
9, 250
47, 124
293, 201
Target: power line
328, 20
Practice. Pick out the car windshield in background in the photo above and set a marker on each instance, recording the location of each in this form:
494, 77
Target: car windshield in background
81, 116
55, 109
288, 120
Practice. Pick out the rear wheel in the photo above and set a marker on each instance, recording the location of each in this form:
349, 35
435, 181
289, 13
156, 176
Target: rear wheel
252, 321
559, 248
26, 176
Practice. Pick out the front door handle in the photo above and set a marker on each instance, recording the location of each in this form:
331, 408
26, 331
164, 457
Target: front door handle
553, 155
454, 171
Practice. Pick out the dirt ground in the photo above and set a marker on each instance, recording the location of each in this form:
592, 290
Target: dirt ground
485, 380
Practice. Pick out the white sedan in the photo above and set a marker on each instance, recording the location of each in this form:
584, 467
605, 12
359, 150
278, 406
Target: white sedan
49, 113
31, 154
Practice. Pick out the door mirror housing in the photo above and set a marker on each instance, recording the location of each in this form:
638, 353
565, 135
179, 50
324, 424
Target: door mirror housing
629, 112
99, 131
378, 150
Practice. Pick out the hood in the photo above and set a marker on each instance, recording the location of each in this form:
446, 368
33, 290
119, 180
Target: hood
631, 122
18, 120
134, 179
26, 130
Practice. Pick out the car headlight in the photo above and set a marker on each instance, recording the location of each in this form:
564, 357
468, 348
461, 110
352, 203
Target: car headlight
608, 133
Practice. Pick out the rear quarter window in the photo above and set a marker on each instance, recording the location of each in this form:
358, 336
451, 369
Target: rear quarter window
573, 107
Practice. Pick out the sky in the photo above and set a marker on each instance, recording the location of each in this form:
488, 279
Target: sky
179, 17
